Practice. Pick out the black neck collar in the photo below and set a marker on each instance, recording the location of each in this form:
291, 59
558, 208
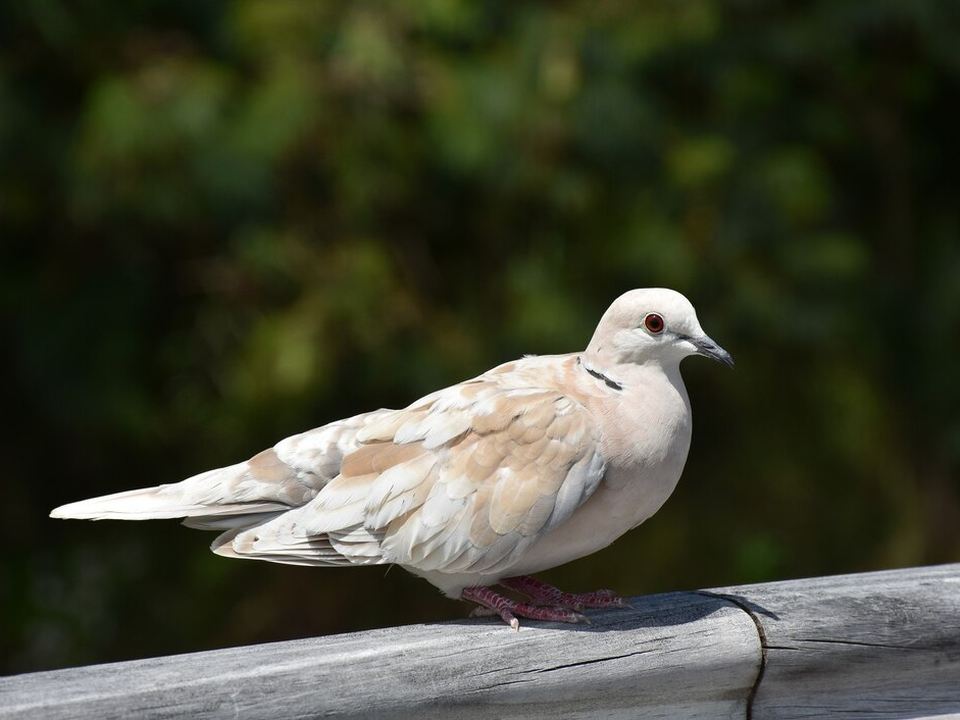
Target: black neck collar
612, 384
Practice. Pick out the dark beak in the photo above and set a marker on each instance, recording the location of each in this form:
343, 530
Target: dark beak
708, 348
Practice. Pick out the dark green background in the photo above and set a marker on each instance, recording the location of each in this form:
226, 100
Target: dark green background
225, 222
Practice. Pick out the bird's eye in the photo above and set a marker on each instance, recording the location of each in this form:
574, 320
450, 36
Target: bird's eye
654, 323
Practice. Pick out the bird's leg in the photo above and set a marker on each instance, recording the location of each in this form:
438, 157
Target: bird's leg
508, 609
543, 593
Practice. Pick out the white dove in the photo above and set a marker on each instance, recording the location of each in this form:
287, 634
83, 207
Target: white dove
528, 466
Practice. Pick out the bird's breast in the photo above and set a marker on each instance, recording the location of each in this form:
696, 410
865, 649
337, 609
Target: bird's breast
645, 450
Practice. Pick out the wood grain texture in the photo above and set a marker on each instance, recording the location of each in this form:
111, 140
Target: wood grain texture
877, 645
680, 655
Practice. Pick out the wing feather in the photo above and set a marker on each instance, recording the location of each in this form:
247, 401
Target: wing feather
464, 480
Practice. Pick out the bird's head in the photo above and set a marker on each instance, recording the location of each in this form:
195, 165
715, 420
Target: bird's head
651, 326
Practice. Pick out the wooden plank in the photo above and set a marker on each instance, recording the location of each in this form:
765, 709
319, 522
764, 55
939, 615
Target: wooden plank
875, 645
680, 655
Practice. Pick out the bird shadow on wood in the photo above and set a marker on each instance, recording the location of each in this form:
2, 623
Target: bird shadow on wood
653, 611
748, 605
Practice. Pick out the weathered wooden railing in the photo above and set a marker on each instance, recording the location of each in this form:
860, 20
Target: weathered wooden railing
881, 644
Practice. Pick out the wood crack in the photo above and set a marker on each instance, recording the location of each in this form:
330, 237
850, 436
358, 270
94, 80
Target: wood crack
763, 644
582, 663
863, 644
503, 683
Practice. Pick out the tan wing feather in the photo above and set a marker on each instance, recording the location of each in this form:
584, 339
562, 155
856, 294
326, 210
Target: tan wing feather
469, 479
492, 498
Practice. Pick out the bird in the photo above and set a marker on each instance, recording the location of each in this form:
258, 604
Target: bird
477, 486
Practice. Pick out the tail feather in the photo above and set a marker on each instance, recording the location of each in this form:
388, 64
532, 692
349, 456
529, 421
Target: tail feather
166, 501
245, 497
317, 554
286, 476
263, 484
221, 523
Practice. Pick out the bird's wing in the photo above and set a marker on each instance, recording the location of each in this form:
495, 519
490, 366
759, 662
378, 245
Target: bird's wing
463, 481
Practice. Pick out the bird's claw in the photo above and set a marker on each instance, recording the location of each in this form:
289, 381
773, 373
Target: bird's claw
493, 603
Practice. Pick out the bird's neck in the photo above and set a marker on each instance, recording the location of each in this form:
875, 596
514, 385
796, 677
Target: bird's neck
599, 375
608, 367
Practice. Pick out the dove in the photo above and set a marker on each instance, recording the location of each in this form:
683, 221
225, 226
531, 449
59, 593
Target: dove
474, 487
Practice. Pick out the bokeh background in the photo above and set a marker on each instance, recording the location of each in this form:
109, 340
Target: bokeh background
225, 222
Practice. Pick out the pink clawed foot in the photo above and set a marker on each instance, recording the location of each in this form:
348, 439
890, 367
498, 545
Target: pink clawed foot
546, 602
508, 609
543, 593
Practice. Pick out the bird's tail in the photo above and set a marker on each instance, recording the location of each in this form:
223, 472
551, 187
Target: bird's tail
157, 503
286, 476
210, 500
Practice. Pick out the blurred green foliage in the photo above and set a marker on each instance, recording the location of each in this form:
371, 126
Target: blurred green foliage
225, 222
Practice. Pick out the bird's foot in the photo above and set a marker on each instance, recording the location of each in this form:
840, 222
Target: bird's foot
542, 593
508, 609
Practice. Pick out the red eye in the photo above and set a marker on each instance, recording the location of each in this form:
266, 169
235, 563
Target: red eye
654, 323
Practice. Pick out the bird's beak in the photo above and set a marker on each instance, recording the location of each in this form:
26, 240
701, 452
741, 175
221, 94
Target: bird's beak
708, 348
